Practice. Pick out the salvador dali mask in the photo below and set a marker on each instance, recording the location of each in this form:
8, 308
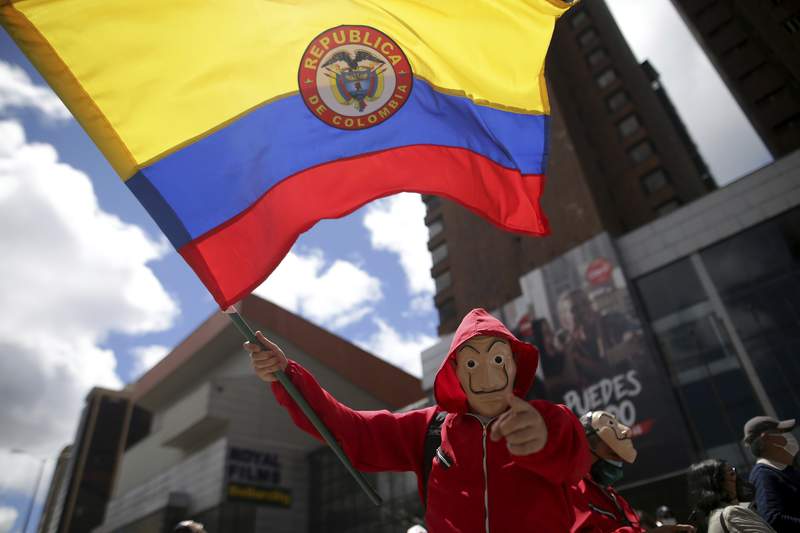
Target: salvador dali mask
615, 434
486, 369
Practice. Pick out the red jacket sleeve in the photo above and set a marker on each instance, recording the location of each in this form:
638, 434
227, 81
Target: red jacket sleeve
565, 458
373, 440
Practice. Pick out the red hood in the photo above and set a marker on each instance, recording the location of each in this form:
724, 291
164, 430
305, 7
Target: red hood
446, 387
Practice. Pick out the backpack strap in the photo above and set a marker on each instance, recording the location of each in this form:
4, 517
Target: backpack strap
433, 439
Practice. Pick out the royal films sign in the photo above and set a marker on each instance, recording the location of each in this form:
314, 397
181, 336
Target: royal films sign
255, 476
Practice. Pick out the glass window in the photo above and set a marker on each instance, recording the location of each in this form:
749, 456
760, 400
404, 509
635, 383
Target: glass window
654, 181
667, 207
641, 152
439, 253
628, 125
617, 100
606, 78
710, 426
670, 289
757, 274
587, 38
579, 18
139, 426
757, 254
702, 362
435, 228
442, 281
596, 57
342, 507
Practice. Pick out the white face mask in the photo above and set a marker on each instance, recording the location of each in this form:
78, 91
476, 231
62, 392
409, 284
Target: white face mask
791, 446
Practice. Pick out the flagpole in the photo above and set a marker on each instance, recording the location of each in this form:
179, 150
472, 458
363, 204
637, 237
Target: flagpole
301, 402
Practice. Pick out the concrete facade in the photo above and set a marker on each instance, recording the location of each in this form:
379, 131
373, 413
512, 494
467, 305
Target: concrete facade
742, 204
206, 400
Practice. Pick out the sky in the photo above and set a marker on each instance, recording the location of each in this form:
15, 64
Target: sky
93, 295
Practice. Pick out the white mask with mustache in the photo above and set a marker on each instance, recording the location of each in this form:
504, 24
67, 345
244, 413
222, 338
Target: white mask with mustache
616, 435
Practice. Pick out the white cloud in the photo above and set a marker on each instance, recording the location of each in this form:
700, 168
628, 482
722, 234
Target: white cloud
146, 357
333, 295
726, 139
400, 350
70, 274
8, 515
17, 90
421, 304
397, 224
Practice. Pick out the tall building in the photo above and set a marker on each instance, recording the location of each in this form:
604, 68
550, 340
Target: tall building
637, 157
221, 451
684, 328
755, 47
619, 158
59, 474
85, 472
656, 297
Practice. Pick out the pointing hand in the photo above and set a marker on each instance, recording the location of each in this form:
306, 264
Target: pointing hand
522, 426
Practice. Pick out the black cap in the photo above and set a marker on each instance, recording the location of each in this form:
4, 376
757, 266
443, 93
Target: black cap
759, 424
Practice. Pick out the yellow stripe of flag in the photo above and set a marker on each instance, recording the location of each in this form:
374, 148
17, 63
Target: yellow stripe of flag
146, 77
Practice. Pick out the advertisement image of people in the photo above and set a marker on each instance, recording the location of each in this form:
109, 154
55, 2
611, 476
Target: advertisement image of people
594, 354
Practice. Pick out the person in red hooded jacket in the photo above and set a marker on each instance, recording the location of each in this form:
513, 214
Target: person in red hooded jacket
598, 507
504, 464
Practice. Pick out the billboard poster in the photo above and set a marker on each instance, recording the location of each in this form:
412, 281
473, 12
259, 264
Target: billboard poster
578, 311
255, 476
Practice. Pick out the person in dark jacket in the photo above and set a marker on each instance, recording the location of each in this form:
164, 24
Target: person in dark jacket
598, 508
776, 475
504, 463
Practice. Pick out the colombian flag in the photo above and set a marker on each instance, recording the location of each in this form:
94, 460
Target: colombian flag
239, 124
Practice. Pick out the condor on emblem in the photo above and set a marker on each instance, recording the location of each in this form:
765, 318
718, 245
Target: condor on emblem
354, 77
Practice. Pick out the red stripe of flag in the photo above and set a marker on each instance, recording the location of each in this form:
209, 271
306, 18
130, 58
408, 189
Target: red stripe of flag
232, 259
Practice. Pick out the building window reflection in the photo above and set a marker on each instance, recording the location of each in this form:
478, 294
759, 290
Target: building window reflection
654, 181
606, 78
439, 253
579, 19
757, 274
617, 100
442, 281
596, 57
342, 507
587, 38
704, 368
435, 228
629, 125
641, 152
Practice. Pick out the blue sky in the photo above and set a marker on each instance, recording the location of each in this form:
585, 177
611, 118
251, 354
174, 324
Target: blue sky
92, 293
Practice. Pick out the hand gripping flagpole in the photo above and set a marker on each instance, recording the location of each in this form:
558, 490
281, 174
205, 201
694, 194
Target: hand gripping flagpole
301, 402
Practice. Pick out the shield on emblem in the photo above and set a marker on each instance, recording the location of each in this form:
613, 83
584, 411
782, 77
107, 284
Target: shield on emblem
357, 84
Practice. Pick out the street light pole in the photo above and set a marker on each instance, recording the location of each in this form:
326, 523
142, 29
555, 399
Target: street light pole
29, 513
